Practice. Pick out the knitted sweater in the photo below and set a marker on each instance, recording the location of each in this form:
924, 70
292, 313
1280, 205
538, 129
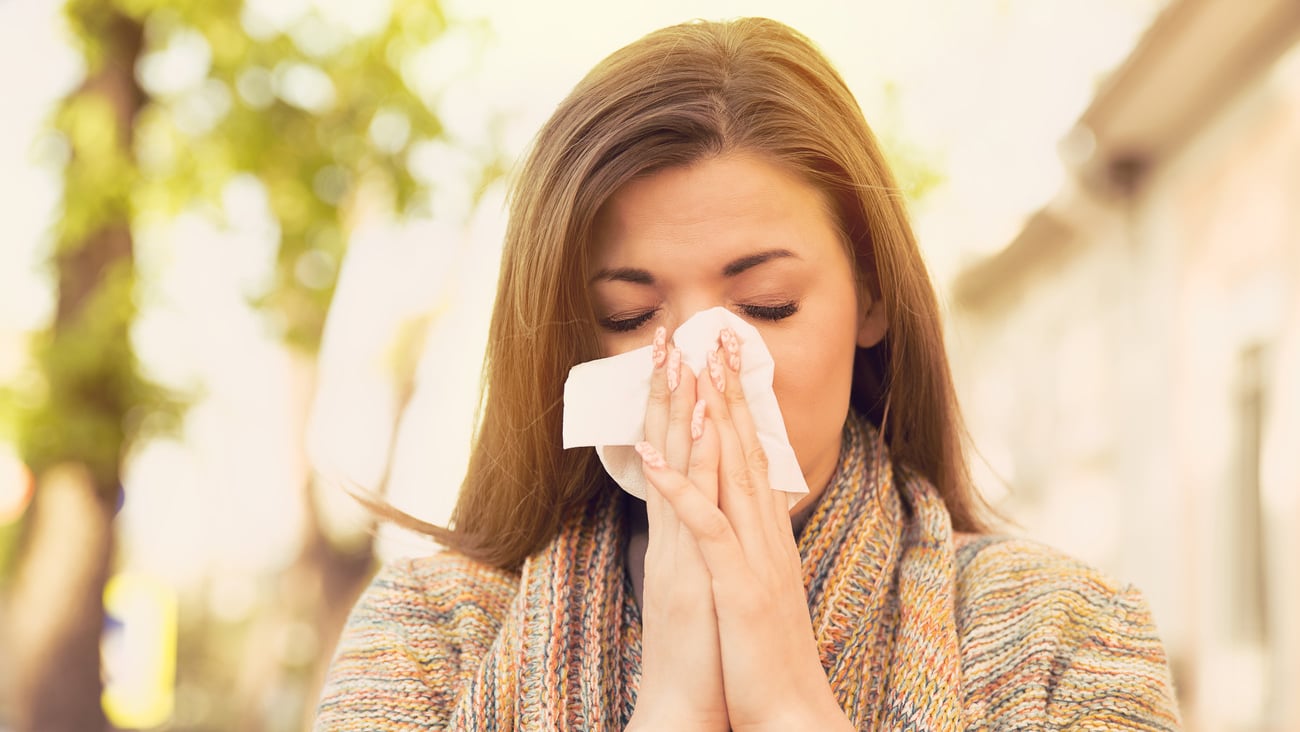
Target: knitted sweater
1046, 642
918, 627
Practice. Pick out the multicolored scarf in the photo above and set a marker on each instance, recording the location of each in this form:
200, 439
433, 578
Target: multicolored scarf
878, 569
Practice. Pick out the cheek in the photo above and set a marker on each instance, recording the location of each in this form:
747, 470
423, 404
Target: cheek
612, 344
608, 346
814, 375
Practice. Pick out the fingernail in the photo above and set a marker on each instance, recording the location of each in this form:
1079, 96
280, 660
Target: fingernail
732, 344
650, 456
674, 368
715, 372
697, 421
657, 350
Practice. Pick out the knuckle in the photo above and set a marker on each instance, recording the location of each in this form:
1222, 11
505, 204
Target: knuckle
668, 488
659, 391
739, 477
679, 417
683, 394
698, 461
757, 457
714, 527
721, 416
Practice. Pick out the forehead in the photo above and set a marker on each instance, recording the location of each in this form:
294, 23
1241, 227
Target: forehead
716, 208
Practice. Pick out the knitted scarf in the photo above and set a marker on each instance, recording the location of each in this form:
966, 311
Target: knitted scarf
877, 567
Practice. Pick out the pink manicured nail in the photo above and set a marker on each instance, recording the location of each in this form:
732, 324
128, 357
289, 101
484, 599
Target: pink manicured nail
657, 350
674, 368
650, 455
732, 344
697, 421
715, 372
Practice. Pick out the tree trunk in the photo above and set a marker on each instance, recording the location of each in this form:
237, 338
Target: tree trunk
58, 610
319, 588
344, 575
57, 614
312, 598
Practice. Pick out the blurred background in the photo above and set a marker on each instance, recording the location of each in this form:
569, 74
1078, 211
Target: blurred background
249, 251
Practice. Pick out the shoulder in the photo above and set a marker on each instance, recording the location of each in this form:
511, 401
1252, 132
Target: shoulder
425, 600
412, 638
1020, 571
443, 581
1009, 589
1042, 633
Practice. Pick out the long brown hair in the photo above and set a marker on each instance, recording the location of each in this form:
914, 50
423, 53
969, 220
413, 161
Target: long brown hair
676, 96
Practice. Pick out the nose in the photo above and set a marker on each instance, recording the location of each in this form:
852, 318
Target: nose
683, 310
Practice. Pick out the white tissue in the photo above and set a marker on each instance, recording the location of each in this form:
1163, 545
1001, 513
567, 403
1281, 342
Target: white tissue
605, 402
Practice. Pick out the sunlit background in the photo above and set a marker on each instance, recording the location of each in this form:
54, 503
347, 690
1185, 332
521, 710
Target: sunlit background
286, 253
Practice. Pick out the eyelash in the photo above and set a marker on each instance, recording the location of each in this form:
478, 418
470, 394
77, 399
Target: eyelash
761, 312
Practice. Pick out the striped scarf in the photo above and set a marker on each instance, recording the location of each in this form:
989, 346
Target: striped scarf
877, 567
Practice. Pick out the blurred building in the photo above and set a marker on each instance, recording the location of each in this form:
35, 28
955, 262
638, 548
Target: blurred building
1130, 363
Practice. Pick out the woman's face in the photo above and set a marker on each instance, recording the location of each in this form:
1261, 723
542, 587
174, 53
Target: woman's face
740, 232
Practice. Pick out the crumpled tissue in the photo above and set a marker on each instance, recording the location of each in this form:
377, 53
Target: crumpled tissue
605, 402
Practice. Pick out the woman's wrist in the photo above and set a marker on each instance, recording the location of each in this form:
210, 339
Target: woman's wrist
823, 721
653, 723
823, 714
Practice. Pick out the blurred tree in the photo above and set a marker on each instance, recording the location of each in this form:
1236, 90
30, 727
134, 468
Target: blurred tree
74, 434
317, 107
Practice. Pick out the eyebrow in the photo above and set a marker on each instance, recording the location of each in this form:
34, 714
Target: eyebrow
733, 268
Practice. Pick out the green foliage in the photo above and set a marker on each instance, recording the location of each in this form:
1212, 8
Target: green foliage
321, 115
97, 183
85, 383
91, 398
918, 170
92, 23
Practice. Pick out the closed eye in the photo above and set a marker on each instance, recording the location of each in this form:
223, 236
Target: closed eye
624, 324
771, 312
628, 323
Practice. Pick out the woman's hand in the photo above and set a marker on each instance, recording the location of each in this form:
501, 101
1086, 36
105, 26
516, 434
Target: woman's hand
681, 677
772, 675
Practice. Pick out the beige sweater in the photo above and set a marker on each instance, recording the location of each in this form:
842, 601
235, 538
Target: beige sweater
1046, 643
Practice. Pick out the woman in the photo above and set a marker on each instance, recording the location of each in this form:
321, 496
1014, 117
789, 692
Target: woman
727, 164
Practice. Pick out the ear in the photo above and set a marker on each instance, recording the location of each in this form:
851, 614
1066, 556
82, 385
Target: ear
873, 319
